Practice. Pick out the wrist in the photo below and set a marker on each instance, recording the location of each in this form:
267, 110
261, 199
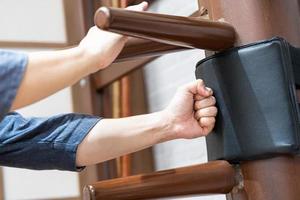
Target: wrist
91, 61
80, 57
166, 127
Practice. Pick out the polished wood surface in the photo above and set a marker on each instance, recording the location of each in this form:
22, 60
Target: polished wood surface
117, 70
179, 31
126, 112
217, 177
137, 48
256, 20
275, 178
272, 179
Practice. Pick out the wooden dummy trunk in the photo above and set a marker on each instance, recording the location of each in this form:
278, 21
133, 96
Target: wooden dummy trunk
272, 178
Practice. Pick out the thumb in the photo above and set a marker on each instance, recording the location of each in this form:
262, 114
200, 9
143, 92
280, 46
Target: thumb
198, 88
202, 90
139, 7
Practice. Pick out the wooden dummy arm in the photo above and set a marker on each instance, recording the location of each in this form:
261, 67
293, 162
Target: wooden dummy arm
186, 32
216, 177
138, 48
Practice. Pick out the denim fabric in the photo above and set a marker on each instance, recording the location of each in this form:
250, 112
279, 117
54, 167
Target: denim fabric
35, 143
12, 67
43, 143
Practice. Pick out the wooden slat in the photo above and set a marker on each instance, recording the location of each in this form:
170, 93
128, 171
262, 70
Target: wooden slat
116, 71
116, 109
217, 177
138, 48
175, 30
126, 110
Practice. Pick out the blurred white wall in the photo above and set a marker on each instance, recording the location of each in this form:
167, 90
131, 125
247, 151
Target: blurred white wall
163, 76
32, 20
38, 21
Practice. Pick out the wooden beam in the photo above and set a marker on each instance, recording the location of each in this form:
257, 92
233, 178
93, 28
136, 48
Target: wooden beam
138, 48
175, 30
116, 71
217, 177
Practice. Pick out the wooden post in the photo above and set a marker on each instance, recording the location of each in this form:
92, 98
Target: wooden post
275, 178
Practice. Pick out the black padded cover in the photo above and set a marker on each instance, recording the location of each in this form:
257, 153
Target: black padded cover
255, 90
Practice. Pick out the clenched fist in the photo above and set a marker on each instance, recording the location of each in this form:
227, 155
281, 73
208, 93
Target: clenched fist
191, 112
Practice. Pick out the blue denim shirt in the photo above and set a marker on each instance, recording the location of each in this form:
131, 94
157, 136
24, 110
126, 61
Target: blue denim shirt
36, 143
12, 67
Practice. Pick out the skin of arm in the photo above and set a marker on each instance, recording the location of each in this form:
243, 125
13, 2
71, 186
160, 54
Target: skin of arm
190, 114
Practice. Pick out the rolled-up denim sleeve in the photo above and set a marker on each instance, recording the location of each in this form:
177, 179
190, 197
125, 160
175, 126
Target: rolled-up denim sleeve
43, 143
12, 68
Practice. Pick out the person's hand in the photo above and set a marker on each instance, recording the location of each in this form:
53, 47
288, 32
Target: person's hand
101, 48
191, 112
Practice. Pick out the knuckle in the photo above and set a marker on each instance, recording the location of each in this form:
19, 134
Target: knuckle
200, 81
214, 110
197, 115
213, 99
213, 121
198, 105
202, 121
209, 121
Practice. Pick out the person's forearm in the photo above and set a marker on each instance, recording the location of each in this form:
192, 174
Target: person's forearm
49, 72
190, 114
111, 138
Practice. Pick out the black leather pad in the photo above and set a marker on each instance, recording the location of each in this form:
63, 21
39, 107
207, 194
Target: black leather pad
255, 90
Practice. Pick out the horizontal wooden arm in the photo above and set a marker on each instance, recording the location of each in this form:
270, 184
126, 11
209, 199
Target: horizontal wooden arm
138, 48
186, 32
217, 177
116, 71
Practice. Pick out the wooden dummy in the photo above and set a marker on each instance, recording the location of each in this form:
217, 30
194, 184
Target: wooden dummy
275, 178
254, 20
